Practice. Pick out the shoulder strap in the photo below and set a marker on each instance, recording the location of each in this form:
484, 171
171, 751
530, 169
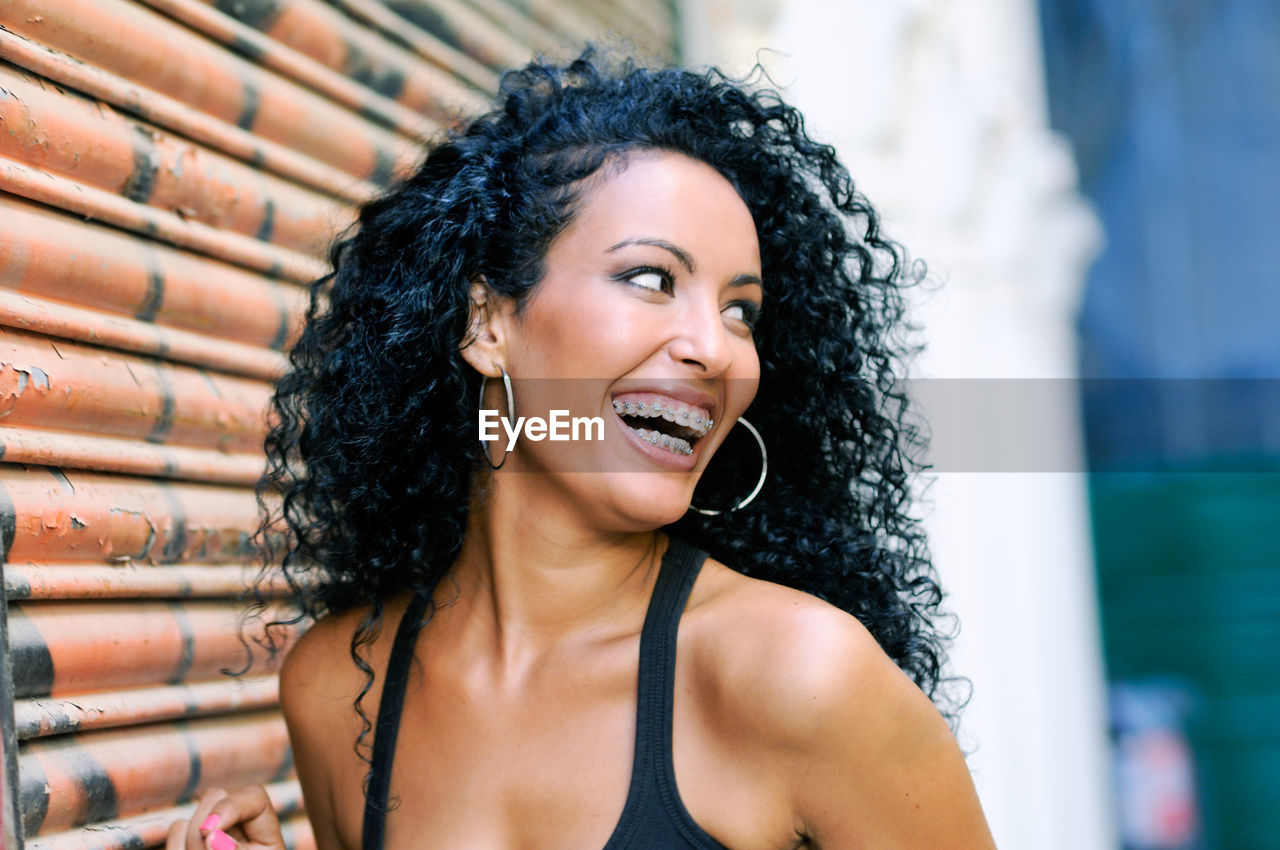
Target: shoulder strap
388, 726
656, 687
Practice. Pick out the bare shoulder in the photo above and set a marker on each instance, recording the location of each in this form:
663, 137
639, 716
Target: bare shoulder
808, 691
786, 655
319, 685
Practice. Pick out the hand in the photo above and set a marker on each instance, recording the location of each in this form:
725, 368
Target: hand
243, 819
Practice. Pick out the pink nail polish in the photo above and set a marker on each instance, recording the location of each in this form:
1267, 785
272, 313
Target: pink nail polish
219, 840
211, 822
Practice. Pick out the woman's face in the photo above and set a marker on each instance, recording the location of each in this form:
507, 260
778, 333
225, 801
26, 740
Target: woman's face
648, 298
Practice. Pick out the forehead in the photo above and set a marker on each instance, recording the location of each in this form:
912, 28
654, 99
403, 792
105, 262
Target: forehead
667, 196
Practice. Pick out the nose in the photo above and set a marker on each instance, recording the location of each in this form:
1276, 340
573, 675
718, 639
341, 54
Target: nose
700, 338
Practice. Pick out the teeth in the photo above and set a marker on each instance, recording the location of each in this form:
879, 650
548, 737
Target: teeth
681, 416
671, 444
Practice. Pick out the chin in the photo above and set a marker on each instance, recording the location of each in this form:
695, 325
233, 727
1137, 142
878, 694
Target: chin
649, 513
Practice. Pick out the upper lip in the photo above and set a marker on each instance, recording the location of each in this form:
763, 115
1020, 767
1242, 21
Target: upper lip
679, 392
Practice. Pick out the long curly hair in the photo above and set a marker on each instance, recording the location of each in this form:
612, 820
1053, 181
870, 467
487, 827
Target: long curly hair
372, 450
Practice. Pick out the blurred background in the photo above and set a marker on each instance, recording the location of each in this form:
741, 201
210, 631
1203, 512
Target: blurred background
1091, 183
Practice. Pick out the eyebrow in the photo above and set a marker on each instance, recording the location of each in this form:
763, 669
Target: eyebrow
680, 254
684, 258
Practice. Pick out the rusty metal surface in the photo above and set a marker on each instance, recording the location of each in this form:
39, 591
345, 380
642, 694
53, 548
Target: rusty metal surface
173, 114
148, 830
318, 30
132, 580
82, 516
77, 779
65, 321
99, 205
81, 139
393, 27
153, 51
56, 257
171, 175
461, 26
297, 66
92, 646
107, 454
44, 717
525, 29
10, 811
84, 389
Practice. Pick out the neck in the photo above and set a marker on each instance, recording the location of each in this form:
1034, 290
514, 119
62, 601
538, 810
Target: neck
530, 577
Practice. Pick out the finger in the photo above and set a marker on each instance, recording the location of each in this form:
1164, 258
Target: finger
249, 809
204, 806
177, 837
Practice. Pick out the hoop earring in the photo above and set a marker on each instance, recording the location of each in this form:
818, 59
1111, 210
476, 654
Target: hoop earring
511, 411
764, 470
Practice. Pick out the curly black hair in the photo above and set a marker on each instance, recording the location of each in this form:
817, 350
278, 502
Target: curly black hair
373, 446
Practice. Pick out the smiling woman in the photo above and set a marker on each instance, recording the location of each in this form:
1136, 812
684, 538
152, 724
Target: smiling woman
560, 650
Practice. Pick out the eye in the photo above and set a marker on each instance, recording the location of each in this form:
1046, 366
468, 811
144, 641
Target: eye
652, 278
743, 311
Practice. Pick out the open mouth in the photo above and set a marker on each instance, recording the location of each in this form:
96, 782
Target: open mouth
663, 422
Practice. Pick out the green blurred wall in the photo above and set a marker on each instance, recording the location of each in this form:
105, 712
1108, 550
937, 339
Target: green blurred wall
1189, 578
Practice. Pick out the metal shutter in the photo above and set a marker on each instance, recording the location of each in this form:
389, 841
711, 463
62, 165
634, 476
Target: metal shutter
171, 173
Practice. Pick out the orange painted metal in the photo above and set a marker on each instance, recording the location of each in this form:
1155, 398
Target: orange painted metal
149, 830
400, 31
297, 66
62, 320
468, 29
527, 30
82, 516
150, 766
319, 31
90, 390
133, 581
41, 718
54, 256
100, 645
100, 205
164, 111
107, 454
94, 145
217, 182
154, 52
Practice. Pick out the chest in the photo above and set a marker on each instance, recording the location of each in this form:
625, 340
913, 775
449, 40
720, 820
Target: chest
547, 764
551, 765
516, 776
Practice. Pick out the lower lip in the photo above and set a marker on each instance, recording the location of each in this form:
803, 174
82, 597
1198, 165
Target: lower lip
660, 456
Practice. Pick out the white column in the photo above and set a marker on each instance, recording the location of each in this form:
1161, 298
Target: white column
938, 110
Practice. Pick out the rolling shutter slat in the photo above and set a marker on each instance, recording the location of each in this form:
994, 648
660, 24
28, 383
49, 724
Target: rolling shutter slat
172, 174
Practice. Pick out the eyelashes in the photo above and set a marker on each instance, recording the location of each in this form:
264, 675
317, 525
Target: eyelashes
750, 312
665, 279
661, 279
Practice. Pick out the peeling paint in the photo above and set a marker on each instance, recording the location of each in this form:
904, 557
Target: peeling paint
151, 531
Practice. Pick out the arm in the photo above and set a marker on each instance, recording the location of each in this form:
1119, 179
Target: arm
305, 699
244, 818
873, 764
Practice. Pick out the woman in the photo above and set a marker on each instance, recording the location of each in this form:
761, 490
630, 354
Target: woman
655, 251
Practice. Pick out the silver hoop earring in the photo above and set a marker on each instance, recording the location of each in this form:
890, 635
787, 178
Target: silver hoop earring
511, 413
764, 471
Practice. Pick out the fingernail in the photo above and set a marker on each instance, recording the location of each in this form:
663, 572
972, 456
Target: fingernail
210, 823
219, 840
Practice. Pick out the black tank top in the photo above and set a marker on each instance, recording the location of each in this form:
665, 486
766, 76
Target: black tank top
653, 817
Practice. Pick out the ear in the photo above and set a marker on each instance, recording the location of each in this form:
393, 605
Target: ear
487, 329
